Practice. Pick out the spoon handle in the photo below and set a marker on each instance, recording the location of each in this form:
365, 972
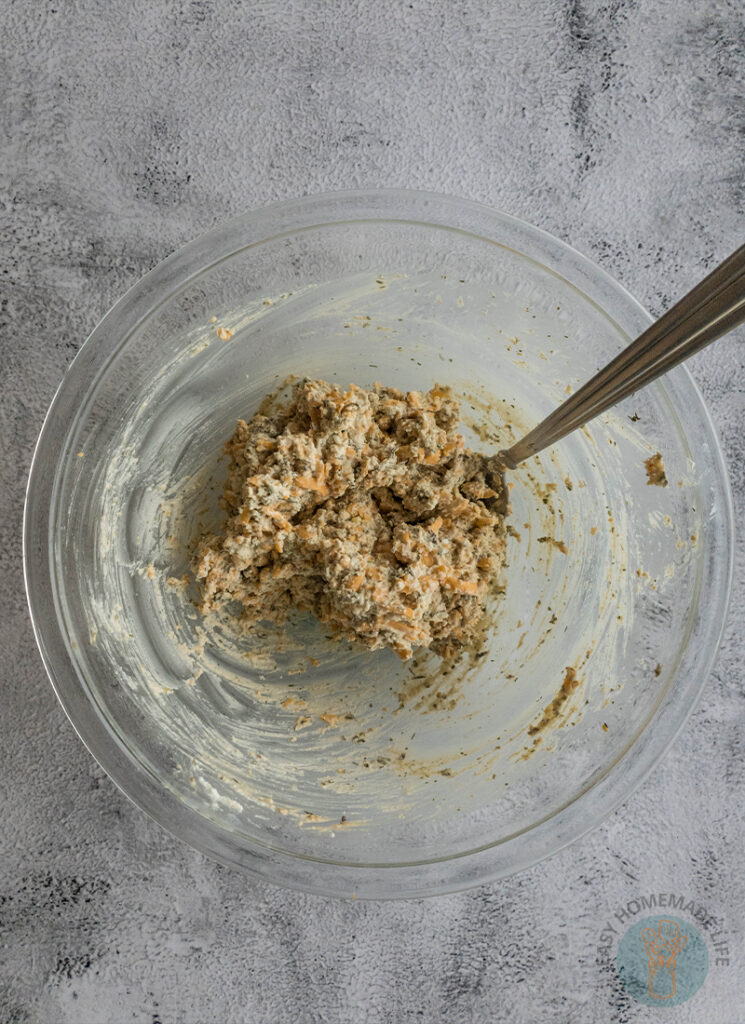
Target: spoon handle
715, 306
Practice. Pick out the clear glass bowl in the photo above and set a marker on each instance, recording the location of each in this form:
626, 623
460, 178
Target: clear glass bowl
306, 762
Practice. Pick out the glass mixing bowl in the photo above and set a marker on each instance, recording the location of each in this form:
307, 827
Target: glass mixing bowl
308, 762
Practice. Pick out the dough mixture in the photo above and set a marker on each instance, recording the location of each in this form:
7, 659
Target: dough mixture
363, 507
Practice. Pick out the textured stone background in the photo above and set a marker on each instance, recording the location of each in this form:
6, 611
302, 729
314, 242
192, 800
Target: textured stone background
130, 128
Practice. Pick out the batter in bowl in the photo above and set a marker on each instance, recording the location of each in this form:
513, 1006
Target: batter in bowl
363, 507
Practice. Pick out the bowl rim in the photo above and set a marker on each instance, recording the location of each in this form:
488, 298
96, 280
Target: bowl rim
293, 870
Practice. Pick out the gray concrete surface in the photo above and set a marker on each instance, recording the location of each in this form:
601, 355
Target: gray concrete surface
128, 129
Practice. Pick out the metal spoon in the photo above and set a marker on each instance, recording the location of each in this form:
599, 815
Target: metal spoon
711, 309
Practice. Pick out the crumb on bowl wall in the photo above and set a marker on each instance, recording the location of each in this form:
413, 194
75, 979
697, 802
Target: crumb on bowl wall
655, 470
